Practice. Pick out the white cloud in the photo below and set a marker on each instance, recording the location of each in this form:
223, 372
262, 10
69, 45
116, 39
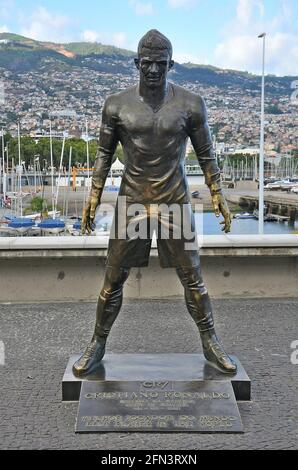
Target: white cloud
91, 36
181, 3
241, 48
283, 53
44, 25
142, 8
244, 52
246, 9
238, 51
4, 29
117, 39
183, 58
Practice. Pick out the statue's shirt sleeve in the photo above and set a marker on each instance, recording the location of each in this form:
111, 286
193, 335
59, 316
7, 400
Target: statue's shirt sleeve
199, 133
108, 141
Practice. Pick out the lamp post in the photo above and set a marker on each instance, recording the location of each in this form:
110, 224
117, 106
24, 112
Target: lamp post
261, 162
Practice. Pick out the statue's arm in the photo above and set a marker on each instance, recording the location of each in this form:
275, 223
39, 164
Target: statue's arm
199, 133
107, 145
108, 141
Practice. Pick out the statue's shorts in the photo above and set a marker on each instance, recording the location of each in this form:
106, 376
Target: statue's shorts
133, 230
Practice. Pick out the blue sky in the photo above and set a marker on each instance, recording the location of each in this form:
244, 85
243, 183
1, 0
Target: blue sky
217, 32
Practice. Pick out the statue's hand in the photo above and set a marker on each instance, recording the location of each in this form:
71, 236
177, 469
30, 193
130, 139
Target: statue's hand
89, 214
220, 206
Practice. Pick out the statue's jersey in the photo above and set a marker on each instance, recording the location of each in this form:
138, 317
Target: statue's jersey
154, 144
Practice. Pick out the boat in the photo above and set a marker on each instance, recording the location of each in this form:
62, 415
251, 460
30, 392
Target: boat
77, 225
12, 225
74, 228
267, 217
52, 226
244, 215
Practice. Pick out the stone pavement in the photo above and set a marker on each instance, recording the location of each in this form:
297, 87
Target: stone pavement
39, 339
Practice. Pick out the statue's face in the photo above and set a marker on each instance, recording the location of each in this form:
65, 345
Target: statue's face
154, 67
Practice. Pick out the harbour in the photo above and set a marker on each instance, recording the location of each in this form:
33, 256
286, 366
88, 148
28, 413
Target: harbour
282, 207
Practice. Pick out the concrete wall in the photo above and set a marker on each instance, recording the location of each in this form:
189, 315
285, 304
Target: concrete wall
72, 269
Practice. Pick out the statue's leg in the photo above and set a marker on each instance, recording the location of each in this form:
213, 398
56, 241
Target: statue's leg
199, 306
108, 306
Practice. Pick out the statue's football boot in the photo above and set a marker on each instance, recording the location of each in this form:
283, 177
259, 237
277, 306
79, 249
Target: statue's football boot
90, 359
214, 352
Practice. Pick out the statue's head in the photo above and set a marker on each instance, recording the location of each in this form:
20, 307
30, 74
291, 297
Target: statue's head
154, 58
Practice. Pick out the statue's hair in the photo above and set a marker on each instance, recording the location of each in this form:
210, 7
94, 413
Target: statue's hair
154, 40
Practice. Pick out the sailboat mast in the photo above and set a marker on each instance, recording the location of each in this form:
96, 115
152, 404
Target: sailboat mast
87, 148
59, 173
52, 171
87, 153
68, 181
20, 171
4, 171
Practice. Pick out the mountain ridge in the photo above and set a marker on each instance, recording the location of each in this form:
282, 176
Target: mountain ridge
77, 48
22, 54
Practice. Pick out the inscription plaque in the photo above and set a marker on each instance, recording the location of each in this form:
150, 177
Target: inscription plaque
158, 406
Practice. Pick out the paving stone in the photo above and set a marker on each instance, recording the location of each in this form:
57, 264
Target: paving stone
39, 338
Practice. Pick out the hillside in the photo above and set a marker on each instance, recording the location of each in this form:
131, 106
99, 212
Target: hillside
88, 48
72, 49
21, 54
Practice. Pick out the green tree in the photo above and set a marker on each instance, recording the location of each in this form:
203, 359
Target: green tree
36, 204
30, 147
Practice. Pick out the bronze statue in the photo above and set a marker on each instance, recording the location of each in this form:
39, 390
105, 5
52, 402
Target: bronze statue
153, 121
